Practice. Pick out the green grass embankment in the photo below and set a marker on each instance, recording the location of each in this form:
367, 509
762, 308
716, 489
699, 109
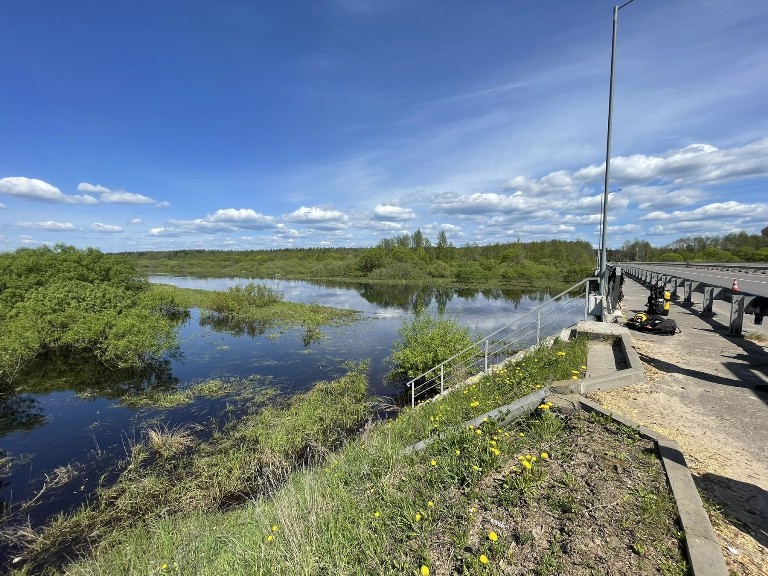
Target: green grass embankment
366, 509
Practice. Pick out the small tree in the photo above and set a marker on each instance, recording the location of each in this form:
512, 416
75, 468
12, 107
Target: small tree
426, 341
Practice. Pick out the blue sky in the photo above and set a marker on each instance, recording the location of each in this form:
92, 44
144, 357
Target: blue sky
248, 125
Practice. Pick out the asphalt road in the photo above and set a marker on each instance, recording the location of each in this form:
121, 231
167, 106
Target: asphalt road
749, 282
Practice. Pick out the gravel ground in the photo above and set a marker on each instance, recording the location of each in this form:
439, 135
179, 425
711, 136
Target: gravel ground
705, 391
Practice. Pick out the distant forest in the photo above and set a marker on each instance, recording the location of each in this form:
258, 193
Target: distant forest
737, 247
414, 258
407, 258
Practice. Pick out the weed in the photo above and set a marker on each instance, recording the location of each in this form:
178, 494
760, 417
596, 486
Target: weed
169, 442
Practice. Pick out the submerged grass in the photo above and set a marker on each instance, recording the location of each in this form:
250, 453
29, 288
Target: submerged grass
371, 507
253, 304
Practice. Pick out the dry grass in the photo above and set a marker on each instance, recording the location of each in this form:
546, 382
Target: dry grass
167, 442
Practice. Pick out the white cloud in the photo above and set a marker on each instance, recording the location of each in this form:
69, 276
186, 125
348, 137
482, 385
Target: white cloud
49, 225
717, 211
315, 215
243, 218
2, 205
99, 227
39, 190
135, 221
391, 213
118, 196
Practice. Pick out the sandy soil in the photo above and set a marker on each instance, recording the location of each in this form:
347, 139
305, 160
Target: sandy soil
703, 391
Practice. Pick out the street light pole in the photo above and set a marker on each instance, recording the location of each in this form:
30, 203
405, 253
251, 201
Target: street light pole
604, 218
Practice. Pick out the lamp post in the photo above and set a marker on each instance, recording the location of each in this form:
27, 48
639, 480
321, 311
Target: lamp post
604, 217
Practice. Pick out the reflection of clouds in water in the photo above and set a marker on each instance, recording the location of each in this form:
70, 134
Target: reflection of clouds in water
483, 311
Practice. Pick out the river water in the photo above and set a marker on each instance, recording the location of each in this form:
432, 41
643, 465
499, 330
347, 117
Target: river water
72, 416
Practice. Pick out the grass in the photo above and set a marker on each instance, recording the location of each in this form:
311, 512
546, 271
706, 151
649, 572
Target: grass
168, 442
322, 505
254, 307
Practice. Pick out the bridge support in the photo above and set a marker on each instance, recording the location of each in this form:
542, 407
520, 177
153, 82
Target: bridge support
706, 307
688, 292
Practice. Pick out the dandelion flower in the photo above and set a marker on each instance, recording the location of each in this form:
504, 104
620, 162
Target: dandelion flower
458, 452
526, 464
475, 467
430, 504
433, 462
274, 528
474, 403
492, 442
521, 434
583, 367
424, 570
495, 451
544, 456
478, 431
418, 516
492, 536
377, 514
269, 538
483, 559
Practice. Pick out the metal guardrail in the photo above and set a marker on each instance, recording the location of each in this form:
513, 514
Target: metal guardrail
527, 329
759, 267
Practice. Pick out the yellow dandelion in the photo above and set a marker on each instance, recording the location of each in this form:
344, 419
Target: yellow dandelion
544, 456
492, 536
424, 570
474, 403
583, 367
521, 434
526, 464
433, 462
458, 452
574, 377
478, 431
418, 516
475, 467
492, 442
483, 559
274, 528
430, 504
543, 406
269, 538
377, 514
495, 451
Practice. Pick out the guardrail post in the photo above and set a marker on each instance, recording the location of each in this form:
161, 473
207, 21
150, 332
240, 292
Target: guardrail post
538, 325
413, 393
485, 369
706, 307
687, 292
737, 316
442, 377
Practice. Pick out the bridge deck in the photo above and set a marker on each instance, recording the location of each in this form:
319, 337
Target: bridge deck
709, 392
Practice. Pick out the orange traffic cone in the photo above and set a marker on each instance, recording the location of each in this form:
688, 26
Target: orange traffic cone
735, 286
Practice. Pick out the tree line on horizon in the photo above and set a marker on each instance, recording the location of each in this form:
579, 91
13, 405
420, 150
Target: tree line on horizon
735, 247
404, 258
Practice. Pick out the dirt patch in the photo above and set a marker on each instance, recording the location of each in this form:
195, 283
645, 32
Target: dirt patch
695, 395
601, 506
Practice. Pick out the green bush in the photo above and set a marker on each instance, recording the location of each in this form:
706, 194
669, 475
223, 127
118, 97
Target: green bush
426, 341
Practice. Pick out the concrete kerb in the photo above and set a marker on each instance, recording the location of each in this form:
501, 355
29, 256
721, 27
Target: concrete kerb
702, 545
633, 374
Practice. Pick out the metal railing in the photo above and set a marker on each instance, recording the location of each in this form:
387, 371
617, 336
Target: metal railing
502, 343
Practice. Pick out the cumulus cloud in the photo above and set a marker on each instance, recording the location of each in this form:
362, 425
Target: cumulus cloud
118, 196
135, 221
242, 218
713, 212
108, 228
48, 225
39, 190
388, 212
693, 165
2, 205
315, 215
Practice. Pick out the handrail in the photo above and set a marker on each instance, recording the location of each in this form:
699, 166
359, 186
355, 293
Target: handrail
495, 343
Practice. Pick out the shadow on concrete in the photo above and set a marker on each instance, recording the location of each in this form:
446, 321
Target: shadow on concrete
745, 504
744, 378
